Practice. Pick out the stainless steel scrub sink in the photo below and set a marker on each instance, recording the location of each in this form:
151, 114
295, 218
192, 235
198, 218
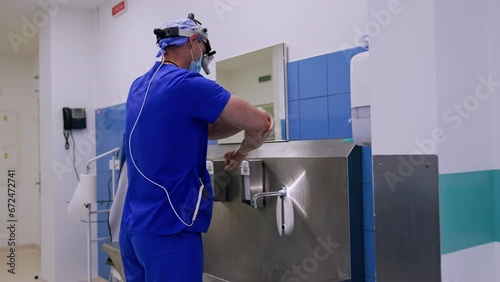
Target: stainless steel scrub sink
211, 278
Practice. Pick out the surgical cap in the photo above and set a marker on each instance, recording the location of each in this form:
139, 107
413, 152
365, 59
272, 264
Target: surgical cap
178, 40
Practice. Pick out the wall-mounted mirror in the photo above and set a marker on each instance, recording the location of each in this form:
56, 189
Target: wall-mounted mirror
260, 78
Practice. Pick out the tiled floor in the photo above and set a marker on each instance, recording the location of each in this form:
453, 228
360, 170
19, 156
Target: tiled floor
27, 266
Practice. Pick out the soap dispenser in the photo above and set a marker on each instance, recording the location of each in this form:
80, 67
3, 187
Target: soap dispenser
252, 181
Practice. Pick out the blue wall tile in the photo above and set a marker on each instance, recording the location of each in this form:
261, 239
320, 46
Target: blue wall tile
339, 74
293, 81
313, 77
294, 120
314, 118
283, 129
369, 222
367, 165
339, 115
370, 253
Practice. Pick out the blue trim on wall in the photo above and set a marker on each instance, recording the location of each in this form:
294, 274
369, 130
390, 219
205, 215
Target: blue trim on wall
496, 196
467, 207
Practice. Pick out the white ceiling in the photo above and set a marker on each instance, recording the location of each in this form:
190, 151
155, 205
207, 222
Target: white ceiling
12, 13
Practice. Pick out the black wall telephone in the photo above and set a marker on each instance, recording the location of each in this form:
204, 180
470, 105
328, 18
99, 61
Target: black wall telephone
74, 118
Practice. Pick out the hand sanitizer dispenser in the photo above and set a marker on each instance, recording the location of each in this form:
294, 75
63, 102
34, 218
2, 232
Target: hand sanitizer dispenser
360, 100
218, 178
252, 181
245, 178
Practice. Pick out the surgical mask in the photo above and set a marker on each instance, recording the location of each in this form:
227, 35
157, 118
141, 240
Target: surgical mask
196, 66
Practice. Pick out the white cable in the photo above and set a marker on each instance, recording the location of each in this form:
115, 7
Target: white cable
145, 177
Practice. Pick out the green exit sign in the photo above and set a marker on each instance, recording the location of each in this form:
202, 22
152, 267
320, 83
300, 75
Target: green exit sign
264, 78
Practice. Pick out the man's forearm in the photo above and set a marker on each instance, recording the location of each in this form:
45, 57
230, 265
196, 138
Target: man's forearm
250, 143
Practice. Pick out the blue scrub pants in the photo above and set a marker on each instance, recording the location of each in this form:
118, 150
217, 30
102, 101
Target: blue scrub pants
168, 258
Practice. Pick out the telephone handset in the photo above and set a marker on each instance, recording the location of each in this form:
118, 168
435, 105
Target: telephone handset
74, 118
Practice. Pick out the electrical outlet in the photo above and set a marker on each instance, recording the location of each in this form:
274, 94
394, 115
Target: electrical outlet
117, 165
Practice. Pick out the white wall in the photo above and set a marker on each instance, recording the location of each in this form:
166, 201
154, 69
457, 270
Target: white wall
433, 67
461, 58
470, 265
17, 94
68, 78
497, 261
403, 85
494, 69
127, 43
47, 212
464, 115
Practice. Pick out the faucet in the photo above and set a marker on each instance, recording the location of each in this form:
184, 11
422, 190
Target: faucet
281, 193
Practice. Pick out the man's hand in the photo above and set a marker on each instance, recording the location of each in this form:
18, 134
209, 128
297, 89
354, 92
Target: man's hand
233, 159
270, 130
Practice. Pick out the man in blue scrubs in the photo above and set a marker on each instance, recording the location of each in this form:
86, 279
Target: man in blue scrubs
171, 113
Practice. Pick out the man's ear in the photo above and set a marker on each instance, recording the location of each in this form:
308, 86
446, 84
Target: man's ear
193, 38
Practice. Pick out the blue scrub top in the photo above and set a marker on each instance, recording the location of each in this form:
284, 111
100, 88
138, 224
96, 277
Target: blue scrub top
169, 146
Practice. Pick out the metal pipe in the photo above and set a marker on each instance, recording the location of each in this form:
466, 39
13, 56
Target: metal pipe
90, 212
101, 239
99, 211
281, 193
104, 154
113, 177
89, 251
100, 156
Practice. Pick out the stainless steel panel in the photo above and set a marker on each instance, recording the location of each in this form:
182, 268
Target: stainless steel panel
219, 181
244, 245
294, 149
407, 218
211, 278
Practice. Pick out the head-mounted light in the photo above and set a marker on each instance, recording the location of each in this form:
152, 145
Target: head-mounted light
198, 29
